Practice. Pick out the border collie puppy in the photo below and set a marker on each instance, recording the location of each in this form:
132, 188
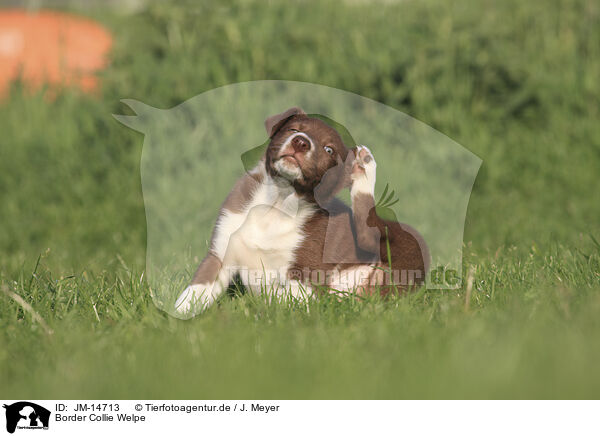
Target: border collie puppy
282, 230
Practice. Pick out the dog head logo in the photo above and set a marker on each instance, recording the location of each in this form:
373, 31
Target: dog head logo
191, 160
26, 415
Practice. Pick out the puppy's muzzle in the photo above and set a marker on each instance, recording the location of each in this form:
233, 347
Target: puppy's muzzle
300, 144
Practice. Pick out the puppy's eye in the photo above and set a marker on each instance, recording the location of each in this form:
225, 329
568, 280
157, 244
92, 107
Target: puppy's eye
294, 130
328, 149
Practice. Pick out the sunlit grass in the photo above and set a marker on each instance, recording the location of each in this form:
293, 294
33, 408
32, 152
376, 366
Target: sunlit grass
531, 330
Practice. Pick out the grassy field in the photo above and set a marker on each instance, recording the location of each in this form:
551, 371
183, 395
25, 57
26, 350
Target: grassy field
514, 82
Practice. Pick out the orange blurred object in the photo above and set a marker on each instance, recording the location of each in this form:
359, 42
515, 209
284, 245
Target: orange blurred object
51, 47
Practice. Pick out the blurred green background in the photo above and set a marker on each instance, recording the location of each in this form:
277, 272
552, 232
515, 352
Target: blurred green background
514, 82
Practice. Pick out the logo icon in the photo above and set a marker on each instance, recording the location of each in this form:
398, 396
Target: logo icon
26, 415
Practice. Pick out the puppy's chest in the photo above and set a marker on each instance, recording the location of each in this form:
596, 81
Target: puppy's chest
270, 230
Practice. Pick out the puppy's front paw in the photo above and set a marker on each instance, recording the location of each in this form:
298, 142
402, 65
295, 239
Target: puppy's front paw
364, 171
194, 299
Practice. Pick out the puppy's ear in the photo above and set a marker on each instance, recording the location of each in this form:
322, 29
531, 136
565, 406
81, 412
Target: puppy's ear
274, 123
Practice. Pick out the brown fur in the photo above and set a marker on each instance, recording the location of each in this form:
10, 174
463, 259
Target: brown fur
207, 270
340, 245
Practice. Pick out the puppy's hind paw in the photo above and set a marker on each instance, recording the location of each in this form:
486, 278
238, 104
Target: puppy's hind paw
364, 171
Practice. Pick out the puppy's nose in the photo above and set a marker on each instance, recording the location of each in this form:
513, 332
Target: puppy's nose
300, 143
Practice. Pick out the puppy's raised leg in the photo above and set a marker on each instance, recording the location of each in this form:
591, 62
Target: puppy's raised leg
212, 276
362, 192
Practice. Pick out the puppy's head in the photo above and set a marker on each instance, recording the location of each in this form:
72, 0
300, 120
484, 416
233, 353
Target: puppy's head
308, 153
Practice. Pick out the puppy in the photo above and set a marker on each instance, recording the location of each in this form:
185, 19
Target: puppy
282, 230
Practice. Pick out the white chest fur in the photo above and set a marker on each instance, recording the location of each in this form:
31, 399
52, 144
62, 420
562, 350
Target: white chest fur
260, 242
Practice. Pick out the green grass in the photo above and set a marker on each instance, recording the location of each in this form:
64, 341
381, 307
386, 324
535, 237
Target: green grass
513, 82
530, 330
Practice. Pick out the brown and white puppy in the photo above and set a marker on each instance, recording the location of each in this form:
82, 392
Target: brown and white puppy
282, 230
